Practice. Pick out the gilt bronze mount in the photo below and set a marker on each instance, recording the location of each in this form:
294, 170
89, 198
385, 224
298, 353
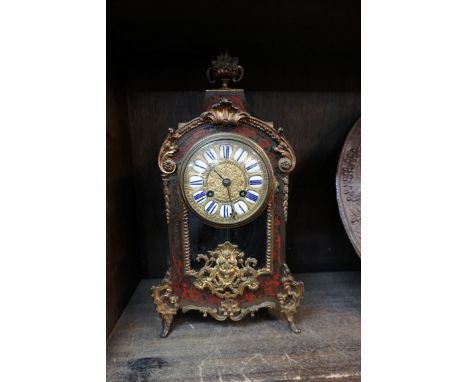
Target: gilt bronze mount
225, 69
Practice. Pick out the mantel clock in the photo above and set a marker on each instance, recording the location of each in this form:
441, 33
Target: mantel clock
226, 187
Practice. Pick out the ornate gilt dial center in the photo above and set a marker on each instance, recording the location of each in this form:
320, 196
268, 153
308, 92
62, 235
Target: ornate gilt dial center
226, 180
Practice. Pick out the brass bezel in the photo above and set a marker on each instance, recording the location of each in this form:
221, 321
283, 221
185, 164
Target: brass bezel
256, 148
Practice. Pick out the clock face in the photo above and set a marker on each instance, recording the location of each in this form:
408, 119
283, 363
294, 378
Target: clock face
225, 180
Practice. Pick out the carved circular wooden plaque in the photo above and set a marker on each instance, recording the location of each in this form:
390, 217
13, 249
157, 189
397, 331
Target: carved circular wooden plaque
348, 186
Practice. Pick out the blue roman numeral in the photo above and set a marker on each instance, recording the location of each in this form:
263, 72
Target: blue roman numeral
210, 154
199, 196
225, 211
239, 156
255, 182
251, 166
251, 196
211, 207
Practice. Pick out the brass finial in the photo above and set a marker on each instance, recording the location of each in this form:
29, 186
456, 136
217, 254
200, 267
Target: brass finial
225, 69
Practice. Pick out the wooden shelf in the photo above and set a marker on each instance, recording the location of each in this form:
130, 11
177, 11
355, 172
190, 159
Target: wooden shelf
255, 349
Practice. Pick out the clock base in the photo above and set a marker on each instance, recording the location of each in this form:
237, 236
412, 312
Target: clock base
287, 301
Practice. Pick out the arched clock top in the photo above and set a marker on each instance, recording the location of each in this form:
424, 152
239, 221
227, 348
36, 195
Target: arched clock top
226, 114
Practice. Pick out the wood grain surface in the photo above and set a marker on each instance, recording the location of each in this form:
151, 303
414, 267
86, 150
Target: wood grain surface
122, 265
257, 349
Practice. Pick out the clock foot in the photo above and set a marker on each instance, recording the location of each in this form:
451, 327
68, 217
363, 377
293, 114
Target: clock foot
166, 303
292, 324
290, 297
166, 325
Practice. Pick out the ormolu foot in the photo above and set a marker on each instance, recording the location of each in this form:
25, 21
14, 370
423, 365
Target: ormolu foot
292, 324
166, 303
290, 297
166, 326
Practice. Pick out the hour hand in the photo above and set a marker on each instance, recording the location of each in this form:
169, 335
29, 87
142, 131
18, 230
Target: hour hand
217, 173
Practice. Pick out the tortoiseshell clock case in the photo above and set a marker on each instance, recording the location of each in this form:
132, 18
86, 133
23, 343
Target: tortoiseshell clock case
226, 270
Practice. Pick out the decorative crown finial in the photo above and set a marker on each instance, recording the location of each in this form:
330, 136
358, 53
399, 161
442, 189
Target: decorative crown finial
225, 68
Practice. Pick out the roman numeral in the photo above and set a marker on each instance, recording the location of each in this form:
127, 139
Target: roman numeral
200, 196
251, 166
226, 211
200, 166
251, 196
211, 207
225, 151
241, 207
256, 181
210, 155
195, 181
